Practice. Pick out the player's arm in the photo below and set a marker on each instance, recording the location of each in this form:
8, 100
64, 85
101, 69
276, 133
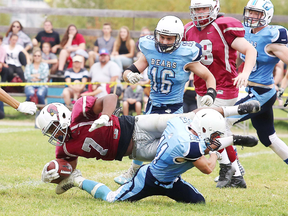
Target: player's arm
205, 165
203, 72
106, 106
24, 107
243, 46
279, 50
132, 73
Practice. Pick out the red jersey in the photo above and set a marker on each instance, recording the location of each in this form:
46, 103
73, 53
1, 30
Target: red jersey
101, 143
218, 55
78, 39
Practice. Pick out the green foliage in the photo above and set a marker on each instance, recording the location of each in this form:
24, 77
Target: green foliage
24, 151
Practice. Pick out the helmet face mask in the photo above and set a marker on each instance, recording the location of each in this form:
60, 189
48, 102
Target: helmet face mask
168, 26
56, 133
204, 18
258, 14
54, 120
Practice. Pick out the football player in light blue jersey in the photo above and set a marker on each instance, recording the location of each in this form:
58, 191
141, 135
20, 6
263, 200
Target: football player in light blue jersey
270, 43
169, 63
181, 147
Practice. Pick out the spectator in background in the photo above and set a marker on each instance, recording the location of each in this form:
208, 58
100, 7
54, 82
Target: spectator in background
106, 71
23, 39
76, 74
16, 56
47, 35
124, 48
144, 31
37, 72
3, 67
107, 42
49, 57
71, 42
189, 98
132, 99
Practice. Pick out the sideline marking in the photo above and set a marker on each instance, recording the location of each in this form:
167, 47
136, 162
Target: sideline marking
251, 154
12, 130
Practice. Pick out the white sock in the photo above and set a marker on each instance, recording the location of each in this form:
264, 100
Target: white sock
237, 169
225, 158
225, 141
230, 110
279, 147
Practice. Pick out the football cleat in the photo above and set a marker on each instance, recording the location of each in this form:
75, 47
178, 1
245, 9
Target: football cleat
225, 174
245, 140
126, 176
238, 182
251, 106
74, 180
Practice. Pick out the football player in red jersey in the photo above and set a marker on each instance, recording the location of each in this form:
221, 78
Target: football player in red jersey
221, 38
92, 131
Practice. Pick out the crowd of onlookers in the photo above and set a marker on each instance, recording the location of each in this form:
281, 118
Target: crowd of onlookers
46, 58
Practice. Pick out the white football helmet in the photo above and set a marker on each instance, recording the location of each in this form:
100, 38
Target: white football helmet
54, 120
265, 7
204, 19
209, 124
170, 26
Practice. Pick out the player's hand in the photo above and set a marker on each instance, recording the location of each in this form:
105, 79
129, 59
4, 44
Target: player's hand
209, 98
280, 92
206, 100
27, 107
102, 121
218, 154
241, 80
48, 176
134, 77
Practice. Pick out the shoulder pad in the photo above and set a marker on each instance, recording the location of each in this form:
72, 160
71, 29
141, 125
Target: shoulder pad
280, 35
146, 42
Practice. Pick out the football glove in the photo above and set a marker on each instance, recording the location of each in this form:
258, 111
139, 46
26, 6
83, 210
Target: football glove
48, 176
280, 92
209, 98
286, 103
206, 100
134, 77
27, 107
102, 121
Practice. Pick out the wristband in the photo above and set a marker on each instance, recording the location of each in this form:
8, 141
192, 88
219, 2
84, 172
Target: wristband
133, 68
211, 92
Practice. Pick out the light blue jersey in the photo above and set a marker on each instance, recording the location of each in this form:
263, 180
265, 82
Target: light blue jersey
263, 70
166, 70
177, 143
176, 152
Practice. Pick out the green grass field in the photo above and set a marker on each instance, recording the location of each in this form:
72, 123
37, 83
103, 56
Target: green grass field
24, 152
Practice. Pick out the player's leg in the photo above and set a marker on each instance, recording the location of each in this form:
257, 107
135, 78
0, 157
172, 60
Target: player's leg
183, 191
97, 190
229, 163
265, 129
